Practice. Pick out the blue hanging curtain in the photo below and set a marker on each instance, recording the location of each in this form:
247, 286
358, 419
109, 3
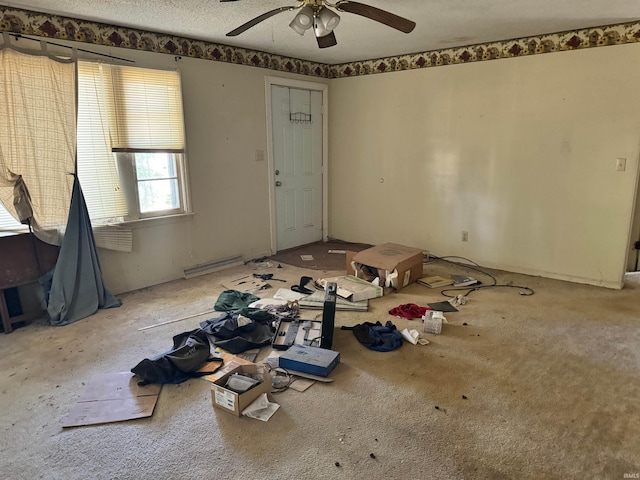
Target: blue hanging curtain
37, 148
77, 288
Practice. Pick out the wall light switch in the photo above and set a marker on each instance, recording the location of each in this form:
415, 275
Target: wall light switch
621, 164
259, 155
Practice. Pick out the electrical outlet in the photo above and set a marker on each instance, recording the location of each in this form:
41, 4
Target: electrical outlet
465, 236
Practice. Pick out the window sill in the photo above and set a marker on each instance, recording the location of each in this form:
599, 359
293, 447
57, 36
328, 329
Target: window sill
148, 222
8, 233
139, 223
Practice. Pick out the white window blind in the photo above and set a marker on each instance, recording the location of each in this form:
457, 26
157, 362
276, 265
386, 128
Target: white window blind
97, 169
147, 106
123, 110
8, 224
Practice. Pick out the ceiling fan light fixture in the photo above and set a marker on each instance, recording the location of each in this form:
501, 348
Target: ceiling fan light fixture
324, 22
303, 21
329, 19
320, 15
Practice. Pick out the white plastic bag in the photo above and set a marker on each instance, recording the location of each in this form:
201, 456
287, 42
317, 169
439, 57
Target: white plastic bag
261, 408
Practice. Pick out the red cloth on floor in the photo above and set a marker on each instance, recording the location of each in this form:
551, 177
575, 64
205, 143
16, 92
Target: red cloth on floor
408, 311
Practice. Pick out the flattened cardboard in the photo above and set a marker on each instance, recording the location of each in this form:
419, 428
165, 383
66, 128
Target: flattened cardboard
112, 397
232, 402
406, 261
353, 288
309, 376
315, 301
301, 384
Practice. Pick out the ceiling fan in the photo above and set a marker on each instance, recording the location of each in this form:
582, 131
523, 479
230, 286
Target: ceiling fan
318, 14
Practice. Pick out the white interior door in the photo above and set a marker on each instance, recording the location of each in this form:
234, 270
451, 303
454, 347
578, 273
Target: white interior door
297, 131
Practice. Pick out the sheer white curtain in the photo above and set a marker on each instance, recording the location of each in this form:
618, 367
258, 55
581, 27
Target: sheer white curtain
38, 136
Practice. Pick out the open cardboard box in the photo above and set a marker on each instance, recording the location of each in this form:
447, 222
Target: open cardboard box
233, 402
397, 265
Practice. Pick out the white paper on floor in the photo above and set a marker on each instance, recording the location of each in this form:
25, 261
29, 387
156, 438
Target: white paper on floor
413, 336
261, 408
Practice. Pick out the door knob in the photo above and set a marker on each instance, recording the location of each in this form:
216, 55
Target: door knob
278, 183
277, 172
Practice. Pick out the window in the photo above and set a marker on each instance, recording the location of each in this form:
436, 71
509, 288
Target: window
8, 224
157, 179
130, 145
155, 185
131, 162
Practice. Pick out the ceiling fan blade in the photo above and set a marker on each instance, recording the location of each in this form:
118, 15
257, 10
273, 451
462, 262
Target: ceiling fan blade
382, 16
252, 23
327, 41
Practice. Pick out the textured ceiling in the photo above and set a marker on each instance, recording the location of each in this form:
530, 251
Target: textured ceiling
440, 23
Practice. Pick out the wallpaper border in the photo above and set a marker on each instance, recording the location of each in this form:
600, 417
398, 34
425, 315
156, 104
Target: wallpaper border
26, 22
535, 45
15, 20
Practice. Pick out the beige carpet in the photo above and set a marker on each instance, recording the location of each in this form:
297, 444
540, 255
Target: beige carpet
551, 383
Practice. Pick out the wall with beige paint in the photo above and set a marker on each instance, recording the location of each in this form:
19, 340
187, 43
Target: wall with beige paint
520, 153
225, 123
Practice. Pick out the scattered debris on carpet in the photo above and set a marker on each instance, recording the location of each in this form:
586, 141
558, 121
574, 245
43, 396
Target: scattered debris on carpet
296, 324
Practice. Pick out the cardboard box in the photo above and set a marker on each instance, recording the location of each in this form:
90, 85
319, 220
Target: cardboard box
397, 265
349, 258
313, 360
233, 402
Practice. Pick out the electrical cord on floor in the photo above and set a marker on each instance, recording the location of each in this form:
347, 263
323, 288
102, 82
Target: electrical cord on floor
524, 291
282, 372
473, 266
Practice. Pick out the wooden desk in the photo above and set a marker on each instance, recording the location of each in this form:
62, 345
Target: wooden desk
23, 259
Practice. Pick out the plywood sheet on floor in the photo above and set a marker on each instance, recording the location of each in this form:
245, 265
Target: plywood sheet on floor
319, 251
112, 397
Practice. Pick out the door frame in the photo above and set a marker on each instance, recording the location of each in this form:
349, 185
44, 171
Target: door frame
302, 84
633, 254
